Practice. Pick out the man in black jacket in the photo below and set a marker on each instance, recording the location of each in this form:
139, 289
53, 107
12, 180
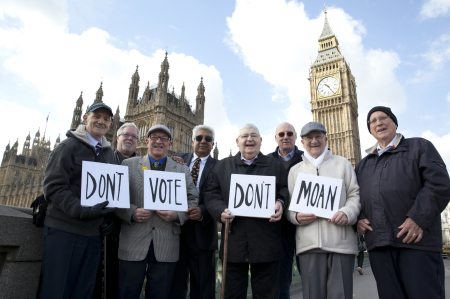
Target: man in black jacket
72, 241
288, 153
197, 262
404, 187
253, 243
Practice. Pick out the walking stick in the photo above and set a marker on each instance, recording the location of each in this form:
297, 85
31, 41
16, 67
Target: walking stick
224, 260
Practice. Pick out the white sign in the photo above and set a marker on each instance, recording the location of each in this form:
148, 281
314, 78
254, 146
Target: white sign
164, 190
100, 182
318, 195
252, 195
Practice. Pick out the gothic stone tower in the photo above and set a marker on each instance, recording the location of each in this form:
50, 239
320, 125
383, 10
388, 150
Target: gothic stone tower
159, 106
333, 97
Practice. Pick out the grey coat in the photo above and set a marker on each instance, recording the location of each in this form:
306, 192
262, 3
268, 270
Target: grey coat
135, 238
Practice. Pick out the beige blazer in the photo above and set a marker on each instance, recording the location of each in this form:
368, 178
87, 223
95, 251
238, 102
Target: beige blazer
135, 238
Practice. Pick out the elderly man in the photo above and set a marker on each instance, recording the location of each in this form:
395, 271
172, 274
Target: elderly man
72, 240
326, 247
404, 188
253, 242
288, 153
149, 240
199, 235
127, 140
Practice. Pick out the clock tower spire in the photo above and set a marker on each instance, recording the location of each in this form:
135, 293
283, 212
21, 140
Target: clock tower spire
333, 96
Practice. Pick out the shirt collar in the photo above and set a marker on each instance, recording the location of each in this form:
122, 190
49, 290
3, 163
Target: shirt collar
289, 156
93, 141
248, 162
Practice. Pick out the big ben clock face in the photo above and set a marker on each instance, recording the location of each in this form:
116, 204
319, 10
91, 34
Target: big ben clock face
328, 86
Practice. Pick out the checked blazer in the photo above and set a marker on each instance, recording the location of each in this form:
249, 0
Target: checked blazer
135, 238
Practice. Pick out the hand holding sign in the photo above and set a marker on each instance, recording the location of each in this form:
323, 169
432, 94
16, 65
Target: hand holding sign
278, 212
339, 218
141, 215
305, 218
167, 215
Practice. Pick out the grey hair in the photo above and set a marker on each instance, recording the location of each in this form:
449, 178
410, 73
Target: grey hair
126, 125
202, 127
250, 126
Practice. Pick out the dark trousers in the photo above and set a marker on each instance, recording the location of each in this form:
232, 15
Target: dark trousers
407, 273
288, 243
199, 268
70, 264
360, 259
264, 280
159, 277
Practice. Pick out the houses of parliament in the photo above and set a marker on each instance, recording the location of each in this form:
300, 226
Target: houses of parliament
22, 172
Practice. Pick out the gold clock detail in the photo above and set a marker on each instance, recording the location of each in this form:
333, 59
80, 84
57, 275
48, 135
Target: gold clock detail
328, 86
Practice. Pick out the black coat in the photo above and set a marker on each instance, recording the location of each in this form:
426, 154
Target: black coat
201, 234
288, 229
408, 181
251, 240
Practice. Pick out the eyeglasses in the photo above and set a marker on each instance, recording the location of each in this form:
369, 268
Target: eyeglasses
289, 134
311, 137
249, 136
381, 119
162, 138
126, 135
207, 138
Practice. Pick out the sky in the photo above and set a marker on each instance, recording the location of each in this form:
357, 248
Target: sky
254, 57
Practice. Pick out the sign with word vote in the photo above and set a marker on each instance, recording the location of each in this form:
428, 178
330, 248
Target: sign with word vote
252, 195
164, 190
101, 181
318, 195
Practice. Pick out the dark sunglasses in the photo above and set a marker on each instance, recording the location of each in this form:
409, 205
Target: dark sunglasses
199, 138
289, 134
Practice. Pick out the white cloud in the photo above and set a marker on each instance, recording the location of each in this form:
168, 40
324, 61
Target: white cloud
56, 65
278, 40
448, 96
434, 8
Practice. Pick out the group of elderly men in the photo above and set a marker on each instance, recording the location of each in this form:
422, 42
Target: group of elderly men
394, 199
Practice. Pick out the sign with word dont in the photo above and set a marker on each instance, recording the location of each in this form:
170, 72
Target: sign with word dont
100, 182
318, 195
252, 195
165, 190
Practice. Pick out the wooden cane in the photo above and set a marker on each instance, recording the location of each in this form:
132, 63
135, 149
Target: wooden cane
224, 259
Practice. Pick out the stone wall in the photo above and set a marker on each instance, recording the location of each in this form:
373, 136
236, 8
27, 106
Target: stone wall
20, 253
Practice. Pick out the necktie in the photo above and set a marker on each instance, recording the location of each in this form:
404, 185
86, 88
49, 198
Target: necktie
98, 148
195, 170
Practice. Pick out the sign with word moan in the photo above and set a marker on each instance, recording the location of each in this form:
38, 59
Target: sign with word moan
252, 195
100, 182
318, 195
165, 190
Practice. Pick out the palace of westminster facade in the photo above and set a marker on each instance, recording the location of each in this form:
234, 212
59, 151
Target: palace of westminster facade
333, 103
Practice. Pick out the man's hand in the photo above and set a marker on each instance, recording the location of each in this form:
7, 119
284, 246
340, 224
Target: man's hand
305, 218
363, 226
141, 215
96, 211
411, 232
168, 216
339, 218
226, 214
278, 212
195, 213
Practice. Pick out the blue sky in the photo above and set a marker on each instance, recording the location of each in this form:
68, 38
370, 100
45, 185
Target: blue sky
254, 57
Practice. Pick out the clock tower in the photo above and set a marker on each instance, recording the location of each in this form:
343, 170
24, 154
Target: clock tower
333, 97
